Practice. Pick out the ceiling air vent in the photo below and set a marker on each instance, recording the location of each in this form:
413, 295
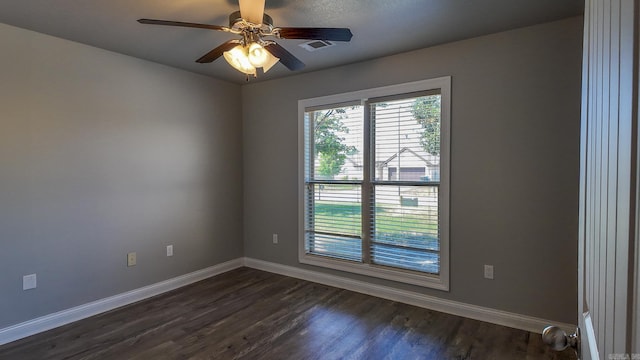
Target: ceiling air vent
315, 45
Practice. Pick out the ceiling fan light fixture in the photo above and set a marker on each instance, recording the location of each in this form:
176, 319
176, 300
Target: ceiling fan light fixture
247, 59
239, 59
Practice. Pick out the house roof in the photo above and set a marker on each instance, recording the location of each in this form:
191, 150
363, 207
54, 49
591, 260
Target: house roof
402, 151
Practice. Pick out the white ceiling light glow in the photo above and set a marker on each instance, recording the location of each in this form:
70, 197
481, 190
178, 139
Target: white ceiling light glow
237, 57
247, 59
257, 55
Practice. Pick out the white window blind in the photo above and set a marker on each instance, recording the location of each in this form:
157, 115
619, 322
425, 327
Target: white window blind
404, 201
333, 212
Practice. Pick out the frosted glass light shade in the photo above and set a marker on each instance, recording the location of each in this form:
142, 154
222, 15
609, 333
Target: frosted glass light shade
238, 58
258, 55
271, 60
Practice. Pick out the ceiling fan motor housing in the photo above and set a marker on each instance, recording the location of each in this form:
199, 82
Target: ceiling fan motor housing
236, 18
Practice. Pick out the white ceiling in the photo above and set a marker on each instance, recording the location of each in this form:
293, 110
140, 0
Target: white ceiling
380, 27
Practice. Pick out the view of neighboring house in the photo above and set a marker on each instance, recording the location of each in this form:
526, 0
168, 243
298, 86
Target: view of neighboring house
409, 164
399, 155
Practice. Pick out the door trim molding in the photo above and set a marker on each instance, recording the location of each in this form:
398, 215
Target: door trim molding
589, 336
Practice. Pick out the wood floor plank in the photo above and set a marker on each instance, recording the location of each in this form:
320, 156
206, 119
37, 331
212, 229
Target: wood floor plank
251, 314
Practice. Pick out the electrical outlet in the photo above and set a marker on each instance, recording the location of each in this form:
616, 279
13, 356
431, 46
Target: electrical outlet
131, 259
275, 238
169, 250
29, 282
488, 272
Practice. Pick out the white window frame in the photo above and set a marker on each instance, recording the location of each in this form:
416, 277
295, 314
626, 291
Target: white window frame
437, 281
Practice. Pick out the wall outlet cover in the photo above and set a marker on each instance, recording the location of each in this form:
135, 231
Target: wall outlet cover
488, 272
169, 250
29, 282
132, 259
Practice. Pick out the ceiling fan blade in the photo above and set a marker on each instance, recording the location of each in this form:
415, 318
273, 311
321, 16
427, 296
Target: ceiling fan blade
217, 52
183, 24
286, 58
334, 34
252, 10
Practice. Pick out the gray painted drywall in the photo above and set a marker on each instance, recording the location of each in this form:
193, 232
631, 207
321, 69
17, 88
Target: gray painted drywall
515, 159
103, 154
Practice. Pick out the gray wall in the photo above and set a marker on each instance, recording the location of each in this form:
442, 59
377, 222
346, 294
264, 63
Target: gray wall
515, 158
102, 154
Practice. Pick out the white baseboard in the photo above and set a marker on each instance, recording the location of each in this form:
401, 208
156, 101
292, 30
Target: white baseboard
48, 322
517, 321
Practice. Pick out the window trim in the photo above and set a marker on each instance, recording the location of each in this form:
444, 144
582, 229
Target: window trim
441, 281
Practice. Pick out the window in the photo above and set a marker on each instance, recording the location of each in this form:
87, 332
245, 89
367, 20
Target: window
374, 182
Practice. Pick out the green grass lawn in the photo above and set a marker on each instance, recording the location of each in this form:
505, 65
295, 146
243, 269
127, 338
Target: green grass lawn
394, 224
344, 218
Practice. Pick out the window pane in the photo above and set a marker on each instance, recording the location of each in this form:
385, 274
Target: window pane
337, 143
404, 227
333, 222
411, 259
407, 139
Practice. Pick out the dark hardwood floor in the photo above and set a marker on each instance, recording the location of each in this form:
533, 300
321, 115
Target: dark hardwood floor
251, 314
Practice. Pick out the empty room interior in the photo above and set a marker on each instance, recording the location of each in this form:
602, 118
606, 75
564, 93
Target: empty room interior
296, 179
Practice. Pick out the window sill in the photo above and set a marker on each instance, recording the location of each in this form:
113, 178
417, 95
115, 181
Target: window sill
382, 272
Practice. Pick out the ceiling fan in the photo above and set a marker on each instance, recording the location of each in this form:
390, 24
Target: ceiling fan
253, 50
